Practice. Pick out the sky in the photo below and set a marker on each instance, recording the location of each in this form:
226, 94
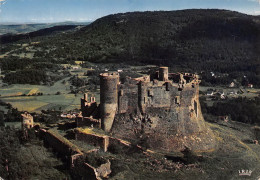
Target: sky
49, 11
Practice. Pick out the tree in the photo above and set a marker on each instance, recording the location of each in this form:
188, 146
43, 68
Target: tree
2, 122
189, 156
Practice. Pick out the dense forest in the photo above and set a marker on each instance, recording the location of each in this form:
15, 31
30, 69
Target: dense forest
16, 63
30, 71
10, 145
243, 110
26, 77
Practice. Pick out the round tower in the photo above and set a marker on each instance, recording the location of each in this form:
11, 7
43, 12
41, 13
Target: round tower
108, 99
143, 99
163, 74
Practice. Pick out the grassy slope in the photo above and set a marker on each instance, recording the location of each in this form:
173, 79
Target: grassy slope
234, 152
45, 165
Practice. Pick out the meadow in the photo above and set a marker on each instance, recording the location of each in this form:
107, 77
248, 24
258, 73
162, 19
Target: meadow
23, 97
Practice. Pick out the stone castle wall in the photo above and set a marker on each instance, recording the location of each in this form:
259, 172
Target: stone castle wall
169, 120
95, 140
65, 148
162, 110
59, 143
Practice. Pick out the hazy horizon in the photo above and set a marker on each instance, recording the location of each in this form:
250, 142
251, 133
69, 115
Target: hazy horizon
49, 11
79, 22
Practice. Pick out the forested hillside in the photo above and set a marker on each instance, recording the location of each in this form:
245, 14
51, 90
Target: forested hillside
10, 38
14, 28
187, 40
200, 39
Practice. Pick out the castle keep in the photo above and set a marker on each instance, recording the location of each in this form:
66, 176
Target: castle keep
160, 110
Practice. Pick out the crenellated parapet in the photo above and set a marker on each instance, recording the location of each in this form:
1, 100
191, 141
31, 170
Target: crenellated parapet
88, 105
163, 107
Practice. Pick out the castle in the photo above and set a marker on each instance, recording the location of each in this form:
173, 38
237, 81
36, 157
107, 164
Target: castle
161, 109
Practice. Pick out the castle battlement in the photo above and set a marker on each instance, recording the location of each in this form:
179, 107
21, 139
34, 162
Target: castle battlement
162, 106
110, 75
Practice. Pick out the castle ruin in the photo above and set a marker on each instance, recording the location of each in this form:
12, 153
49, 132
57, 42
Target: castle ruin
161, 109
27, 121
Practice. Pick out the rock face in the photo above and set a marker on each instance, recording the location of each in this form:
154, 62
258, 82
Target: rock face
160, 111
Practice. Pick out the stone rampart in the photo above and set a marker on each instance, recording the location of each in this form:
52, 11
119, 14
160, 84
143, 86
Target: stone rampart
60, 144
101, 141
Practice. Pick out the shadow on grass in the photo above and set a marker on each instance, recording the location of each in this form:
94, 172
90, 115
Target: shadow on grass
248, 141
70, 135
176, 159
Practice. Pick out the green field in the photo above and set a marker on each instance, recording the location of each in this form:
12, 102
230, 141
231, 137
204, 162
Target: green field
49, 100
24, 98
